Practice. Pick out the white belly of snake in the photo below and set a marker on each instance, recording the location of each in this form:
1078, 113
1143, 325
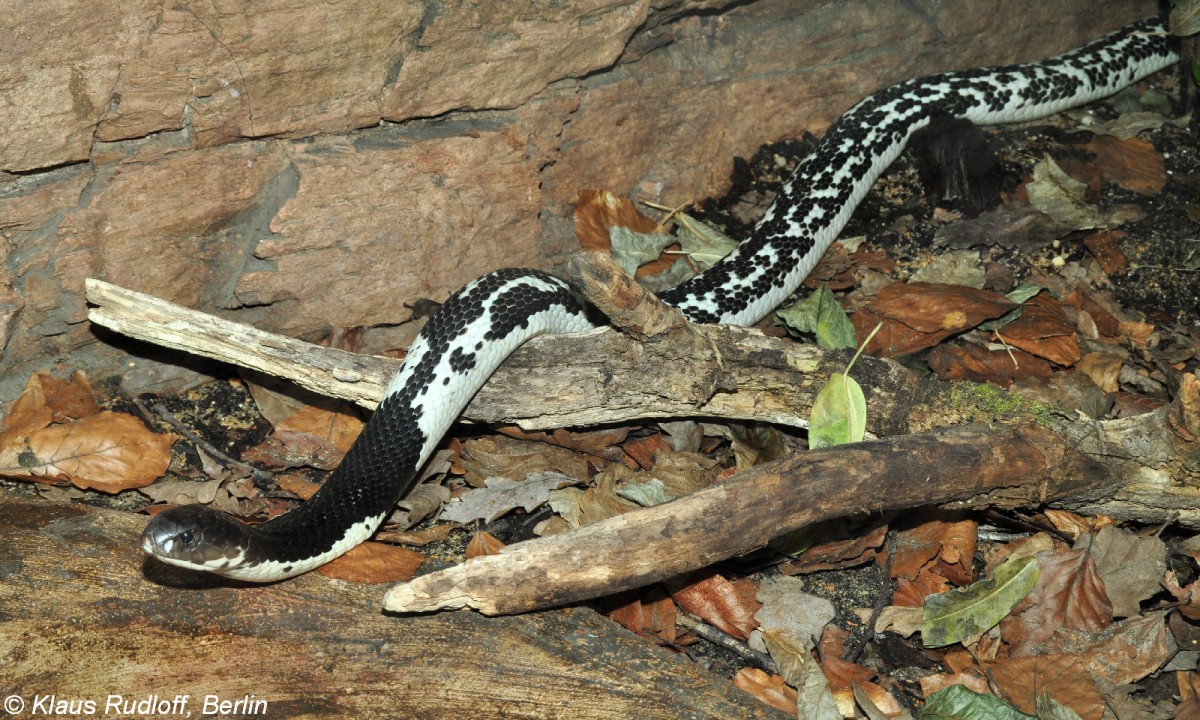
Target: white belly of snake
480, 325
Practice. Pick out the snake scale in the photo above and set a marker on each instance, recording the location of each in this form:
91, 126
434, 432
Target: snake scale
481, 324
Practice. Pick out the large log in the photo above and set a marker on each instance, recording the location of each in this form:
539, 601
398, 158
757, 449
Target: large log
86, 616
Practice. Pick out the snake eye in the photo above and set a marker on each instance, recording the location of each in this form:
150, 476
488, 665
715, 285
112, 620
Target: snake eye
187, 537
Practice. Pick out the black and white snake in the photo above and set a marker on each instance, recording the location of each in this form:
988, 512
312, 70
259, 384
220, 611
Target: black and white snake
477, 328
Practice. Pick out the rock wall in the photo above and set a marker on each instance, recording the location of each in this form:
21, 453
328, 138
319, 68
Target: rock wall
310, 164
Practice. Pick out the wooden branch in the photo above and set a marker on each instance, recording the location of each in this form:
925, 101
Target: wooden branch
86, 616
1018, 465
600, 377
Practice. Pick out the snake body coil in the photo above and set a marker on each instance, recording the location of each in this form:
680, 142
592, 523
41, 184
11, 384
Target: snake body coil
483, 323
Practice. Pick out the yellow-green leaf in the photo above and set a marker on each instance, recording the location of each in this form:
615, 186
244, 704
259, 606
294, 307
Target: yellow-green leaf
965, 613
839, 413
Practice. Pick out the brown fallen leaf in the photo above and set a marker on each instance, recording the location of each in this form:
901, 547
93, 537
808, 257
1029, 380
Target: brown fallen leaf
725, 605
1044, 330
1130, 565
424, 536
649, 613
916, 316
1188, 683
840, 672
1137, 331
483, 543
968, 361
47, 399
1124, 652
583, 507
769, 688
109, 452
973, 682
602, 443
642, 450
1188, 596
946, 548
297, 485
837, 555
1022, 680
1076, 525
499, 456
338, 423
1106, 323
1104, 370
912, 593
833, 269
285, 450
1130, 404
597, 211
1069, 595
1132, 163
374, 562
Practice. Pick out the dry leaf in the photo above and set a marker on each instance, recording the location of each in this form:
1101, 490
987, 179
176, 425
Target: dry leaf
1069, 595
786, 607
643, 450
1130, 566
483, 544
838, 554
648, 613
1043, 330
727, 606
946, 548
297, 484
916, 316
1124, 652
1132, 163
968, 361
108, 452
1022, 680
885, 704
183, 492
1103, 369
374, 562
769, 689
601, 443
46, 400
840, 672
1188, 597
503, 495
912, 593
285, 450
1106, 323
597, 211
424, 536
972, 681
901, 620
498, 456
1076, 525
338, 424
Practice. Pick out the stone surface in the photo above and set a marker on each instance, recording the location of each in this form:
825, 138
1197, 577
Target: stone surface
306, 165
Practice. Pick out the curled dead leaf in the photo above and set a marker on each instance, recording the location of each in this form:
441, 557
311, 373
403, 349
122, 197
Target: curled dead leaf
109, 452
374, 562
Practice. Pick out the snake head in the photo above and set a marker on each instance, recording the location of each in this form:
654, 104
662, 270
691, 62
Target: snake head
197, 537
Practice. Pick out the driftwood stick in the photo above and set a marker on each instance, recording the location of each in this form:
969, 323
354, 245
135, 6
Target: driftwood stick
600, 377
1016, 465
